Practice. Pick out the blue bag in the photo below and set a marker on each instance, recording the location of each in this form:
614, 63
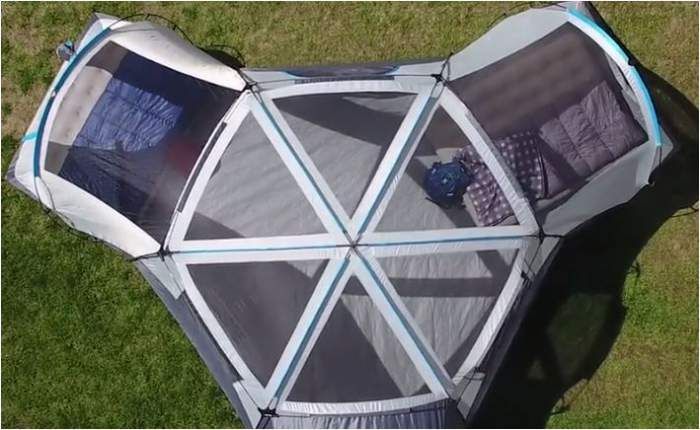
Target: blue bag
446, 183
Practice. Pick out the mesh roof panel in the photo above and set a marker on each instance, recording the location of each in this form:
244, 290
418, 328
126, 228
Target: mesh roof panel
252, 193
346, 135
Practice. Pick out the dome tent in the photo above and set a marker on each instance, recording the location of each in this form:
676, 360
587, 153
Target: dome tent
281, 217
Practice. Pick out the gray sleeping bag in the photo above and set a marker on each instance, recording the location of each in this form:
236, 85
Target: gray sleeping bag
585, 138
561, 155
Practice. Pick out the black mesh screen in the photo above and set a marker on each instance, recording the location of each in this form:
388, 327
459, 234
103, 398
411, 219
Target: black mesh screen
258, 305
356, 357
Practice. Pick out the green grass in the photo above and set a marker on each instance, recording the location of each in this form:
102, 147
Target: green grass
85, 343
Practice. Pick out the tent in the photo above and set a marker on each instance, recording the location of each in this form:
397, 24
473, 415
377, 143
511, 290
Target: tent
283, 215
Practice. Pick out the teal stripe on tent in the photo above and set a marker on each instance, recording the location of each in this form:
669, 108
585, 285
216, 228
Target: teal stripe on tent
29, 136
646, 96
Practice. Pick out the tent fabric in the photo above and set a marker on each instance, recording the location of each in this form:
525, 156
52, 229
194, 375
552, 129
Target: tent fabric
579, 134
450, 296
285, 223
253, 294
441, 414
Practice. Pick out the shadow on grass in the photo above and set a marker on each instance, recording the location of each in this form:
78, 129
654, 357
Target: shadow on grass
574, 321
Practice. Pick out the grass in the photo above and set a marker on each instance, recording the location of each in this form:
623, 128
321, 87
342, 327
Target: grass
85, 343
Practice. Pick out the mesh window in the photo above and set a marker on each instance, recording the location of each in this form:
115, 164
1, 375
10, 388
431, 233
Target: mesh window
357, 357
483, 203
130, 130
252, 193
346, 135
258, 305
556, 105
450, 296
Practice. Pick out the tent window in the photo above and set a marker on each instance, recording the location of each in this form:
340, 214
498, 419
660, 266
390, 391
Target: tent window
346, 135
557, 105
450, 296
129, 131
258, 305
252, 193
356, 357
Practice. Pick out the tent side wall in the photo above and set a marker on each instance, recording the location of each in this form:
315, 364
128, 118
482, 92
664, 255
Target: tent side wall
624, 177
287, 76
489, 367
80, 160
502, 81
442, 414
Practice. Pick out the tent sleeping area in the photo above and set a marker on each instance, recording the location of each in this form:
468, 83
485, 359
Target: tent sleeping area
142, 129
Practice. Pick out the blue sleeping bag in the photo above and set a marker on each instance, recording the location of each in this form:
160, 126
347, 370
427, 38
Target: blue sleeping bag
122, 148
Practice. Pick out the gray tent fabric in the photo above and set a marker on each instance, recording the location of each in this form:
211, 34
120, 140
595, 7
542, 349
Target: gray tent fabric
283, 215
441, 414
12, 179
562, 93
522, 90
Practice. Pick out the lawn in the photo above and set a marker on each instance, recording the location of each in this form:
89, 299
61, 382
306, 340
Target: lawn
86, 343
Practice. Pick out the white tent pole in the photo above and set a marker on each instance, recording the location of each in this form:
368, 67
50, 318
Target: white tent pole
295, 146
440, 236
251, 383
182, 220
198, 169
392, 308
